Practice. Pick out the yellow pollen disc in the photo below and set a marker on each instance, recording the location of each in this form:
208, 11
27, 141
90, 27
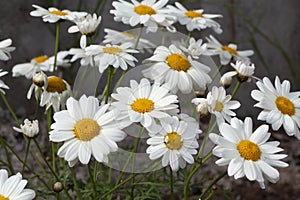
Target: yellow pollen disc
193, 14
56, 84
249, 150
230, 50
142, 105
130, 35
285, 106
40, 59
173, 140
59, 13
86, 129
178, 62
3, 198
112, 50
219, 106
144, 10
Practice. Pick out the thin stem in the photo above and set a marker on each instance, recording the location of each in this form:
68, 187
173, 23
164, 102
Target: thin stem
92, 179
9, 163
56, 44
217, 72
188, 39
212, 192
171, 184
26, 156
109, 78
237, 86
10, 109
75, 183
212, 184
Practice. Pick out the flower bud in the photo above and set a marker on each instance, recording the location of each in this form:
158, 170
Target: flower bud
226, 81
200, 94
29, 129
40, 79
202, 109
57, 187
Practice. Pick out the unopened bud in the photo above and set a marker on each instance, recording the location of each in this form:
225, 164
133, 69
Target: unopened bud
200, 94
226, 81
40, 79
57, 187
202, 109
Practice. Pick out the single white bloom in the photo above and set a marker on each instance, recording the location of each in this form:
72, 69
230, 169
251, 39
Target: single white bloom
40, 63
114, 55
248, 153
176, 143
53, 15
86, 26
144, 102
2, 84
5, 49
243, 71
12, 188
195, 48
118, 37
150, 13
280, 106
80, 53
195, 19
227, 52
170, 65
219, 104
29, 129
86, 129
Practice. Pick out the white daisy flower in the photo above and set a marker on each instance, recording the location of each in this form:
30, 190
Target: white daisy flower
117, 37
29, 129
226, 52
12, 188
280, 106
5, 49
176, 143
248, 153
150, 13
86, 26
114, 55
243, 71
219, 104
2, 84
171, 66
53, 15
195, 19
86, 129
144, 102
195, 48
40, 63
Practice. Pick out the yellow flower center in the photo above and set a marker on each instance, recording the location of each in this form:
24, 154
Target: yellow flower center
219, 106
249, 150
56, 84
40, 59
142, 105
86, 129
285, 106
144, 10
112, 50
130, 35
59, 13
230, 50
178, 62
193, 14
173, 140
3, 198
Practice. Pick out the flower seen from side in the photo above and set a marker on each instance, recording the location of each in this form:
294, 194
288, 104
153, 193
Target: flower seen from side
2, 84
13, 187
181, 72
195, 19
219, 104
248, 153
6, 49
243, 71
29, 128
87, 129
280, 106
176, 143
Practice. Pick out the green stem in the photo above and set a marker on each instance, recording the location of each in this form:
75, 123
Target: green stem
26, 156
9, 108
109, 78
212, 184
191, 174
217, 72
237, 86
171, 184
56, 44
92, 179
212, 192
8, 157
75, 183
188, 39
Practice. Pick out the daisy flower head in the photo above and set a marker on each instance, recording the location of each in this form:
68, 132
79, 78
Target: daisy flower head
53, 15
195, 48
12, 188
219, 104
143, 102
176, 143
30, 128
86, 129
2, 84
243, 71
5, 49
227, 52
86, 26
114, 55
172, 66
121, 37
149, 13
280, 106
248, 153
195, 19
